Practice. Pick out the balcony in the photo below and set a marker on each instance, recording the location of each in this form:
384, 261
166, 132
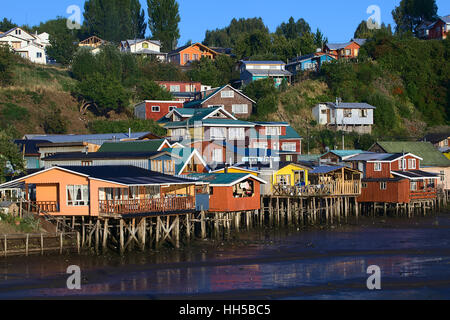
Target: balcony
348, 188
144, 206
43, 206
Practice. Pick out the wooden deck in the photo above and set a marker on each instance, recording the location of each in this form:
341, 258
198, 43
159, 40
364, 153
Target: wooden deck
348, 188
137, 206
42, 206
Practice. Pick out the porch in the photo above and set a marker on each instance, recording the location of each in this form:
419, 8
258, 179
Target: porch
336, 188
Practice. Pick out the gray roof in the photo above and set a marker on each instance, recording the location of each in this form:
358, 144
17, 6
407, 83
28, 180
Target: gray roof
446, 19
157, 42
92, 138
262, 62
350, 105
148, 51
370, 156
359, 41
337, 46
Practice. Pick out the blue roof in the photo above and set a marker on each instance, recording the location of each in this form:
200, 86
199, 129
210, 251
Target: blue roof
345, 153
262, 62
325, 169
91, 138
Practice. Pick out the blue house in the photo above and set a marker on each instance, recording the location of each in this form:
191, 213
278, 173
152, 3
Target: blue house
309, 62
257, 70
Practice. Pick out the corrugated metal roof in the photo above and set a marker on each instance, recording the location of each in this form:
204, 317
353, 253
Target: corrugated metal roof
262, 62
268, 72
92, 138
132, 146
102, 155
425, 150
325, 169
350, 105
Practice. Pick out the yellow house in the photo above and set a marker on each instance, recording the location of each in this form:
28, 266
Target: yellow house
291, 175
447, 154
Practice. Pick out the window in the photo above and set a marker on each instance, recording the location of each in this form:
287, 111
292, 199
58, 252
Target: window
157, 165
402, 164
348, 52
155, 108
172, 108
174, 88
77, 195
289, 146
186, 57
364, 185
236, 133
227, 94
363, 113
145, 45
177, 133
283, 179
18, 31
276, 146
240, 108
38, 54
413, 186
273, 131
217, 155
169, 166
412, 164
260, 145
195, 57
86, 163
218, 133
377, 166
189, 88
347, 113
383, 186
442, 175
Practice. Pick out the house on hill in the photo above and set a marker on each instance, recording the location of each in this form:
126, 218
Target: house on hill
348, 50
232, 100
439, 29
257, 70
338, 156
440, 140
144, 48
28, 46
155, 109
309, 62
432, 161
93, 43
184, 55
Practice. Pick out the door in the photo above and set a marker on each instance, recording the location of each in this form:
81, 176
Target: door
328, 116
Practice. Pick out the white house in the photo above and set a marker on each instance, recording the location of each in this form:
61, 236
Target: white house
28, 46
144, 47
345, 116
256, 70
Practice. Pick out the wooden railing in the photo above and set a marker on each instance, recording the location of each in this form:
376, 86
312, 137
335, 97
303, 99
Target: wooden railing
133, 206
46, 206
329, 189
427, 193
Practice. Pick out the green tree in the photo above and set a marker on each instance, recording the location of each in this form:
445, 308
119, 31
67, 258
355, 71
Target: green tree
411, 13
6, 25
163, 22
114, 20
105, 93
363, 31
150, 90
253, 44
215, 73
293, 30
136, 125
6, 64
11, 160
62, 41
53, 122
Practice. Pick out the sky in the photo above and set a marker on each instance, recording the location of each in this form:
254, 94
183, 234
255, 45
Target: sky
336, 19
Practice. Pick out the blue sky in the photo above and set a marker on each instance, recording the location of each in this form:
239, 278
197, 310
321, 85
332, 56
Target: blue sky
336, 19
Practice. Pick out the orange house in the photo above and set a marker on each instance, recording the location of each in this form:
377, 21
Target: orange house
232, 192
189, 53
105, 191
343, 50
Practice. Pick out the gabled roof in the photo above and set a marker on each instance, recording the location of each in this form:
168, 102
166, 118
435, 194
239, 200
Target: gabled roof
436, 137
344, 153
182, 156
337, 46
425, 150
415, 174
446, 19
204, 115
179, 49
359, 41
134, 146
199, 102
225, 179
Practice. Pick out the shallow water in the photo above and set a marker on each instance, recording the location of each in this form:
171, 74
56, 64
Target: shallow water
414, 257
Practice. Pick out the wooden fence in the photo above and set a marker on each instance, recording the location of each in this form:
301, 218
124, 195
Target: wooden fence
25, 244
337, 188
133, 206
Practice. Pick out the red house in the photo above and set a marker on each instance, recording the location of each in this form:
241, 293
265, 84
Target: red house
347, 50
439, 29
393, 178
154, 109
232, 192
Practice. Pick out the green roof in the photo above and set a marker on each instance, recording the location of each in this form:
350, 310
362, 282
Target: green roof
218, 178
290, 134
132, 146
430, 155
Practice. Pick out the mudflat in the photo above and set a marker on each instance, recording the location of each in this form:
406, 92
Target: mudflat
328, 263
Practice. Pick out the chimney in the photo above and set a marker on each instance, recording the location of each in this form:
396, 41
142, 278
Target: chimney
129, 133
226, 168
337, 101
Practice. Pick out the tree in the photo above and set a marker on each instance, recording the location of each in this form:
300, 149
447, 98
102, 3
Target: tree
363, 31
293, 30
105, 93
62, 41
6, 64
53, 121
215, 73
253, 44
150, 90
114, 20
163, 22
11, 160
6, 25
411, 13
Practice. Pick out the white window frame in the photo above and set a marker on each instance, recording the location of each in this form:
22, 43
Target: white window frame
84, 192
377, 166
383, 186
412, 164
159, 109
289, 146
227, 94
171, 108
413, 186
236, 133
218, 133
239, 108
270, 131
217, 155
175, 88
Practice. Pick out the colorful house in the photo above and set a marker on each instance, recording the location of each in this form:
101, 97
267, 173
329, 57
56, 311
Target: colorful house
30, 152
232, 192
309, 62
185, 55
257, 70
393, 178
348, 50
136, 146
144, 48
338, 156
291, 175
155, 109
109, 191
433, 161
232, 100
439, 29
